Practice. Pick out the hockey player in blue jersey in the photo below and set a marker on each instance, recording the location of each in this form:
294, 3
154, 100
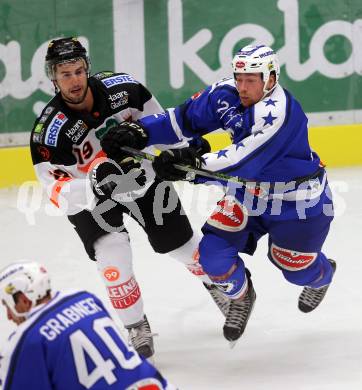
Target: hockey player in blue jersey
287, 196
66, 340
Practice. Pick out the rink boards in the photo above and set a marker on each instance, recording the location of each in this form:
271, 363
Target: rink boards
336, 145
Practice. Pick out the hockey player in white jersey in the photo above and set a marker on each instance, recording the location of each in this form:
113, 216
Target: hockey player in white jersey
65, 340
287, 196
66, 151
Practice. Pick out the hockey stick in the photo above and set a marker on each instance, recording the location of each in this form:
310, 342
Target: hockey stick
191, 172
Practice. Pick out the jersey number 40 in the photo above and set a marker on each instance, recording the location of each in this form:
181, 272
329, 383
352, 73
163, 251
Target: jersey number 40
82, 345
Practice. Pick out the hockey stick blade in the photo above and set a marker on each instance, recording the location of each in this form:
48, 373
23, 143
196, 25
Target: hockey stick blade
191, 172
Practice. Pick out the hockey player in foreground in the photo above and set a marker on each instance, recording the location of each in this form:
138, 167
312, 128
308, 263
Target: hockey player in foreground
65, 340
66, 150
287, 197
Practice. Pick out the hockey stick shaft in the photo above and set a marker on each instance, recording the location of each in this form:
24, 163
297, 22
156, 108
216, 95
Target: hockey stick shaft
192, 172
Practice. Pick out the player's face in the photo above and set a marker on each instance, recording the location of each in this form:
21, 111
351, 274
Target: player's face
72, 80
250, 87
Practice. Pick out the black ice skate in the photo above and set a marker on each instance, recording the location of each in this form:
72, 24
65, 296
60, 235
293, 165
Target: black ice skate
311, 297
219, 298
239, 313
141, 338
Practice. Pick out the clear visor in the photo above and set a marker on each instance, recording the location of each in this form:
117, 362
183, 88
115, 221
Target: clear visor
7, 300
50, 66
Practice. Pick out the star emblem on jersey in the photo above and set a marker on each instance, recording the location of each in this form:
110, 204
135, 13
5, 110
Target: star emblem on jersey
239, 145
258, 132
270, 102
221, 153
268, 120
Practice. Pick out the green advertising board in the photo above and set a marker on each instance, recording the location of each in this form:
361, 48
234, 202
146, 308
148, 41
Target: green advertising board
178, 47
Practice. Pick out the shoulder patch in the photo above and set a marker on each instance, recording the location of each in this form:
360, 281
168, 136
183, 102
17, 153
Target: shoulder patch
51, 136
197, 94
119, 79
38, 133
44, 152
39, 129
103, 75
228, 82
46, 114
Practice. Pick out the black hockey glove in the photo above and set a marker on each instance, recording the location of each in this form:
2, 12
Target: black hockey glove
109, 179
125, 134
163, 164
201, 145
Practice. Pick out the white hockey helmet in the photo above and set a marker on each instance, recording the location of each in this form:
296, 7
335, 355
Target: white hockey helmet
30, 278
257, 59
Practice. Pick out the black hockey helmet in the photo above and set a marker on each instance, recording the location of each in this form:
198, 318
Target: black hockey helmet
64, 50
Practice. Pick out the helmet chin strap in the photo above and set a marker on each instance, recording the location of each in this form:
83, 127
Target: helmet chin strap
268, 91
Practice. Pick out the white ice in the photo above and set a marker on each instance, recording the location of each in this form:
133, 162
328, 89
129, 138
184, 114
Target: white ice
282, 348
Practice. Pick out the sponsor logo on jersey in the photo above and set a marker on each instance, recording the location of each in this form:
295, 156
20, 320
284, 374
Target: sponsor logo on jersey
76, 132
197, 94
49, 110
111, 274
103, 75
119, 79
38, 138
118, 99
291, 260
51, 136
46, 114
115, 96
38, 128
109, 124
229, 215
44, 152
147, 384
125, 294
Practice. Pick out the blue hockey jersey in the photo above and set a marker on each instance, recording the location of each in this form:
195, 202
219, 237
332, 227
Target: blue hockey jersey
72, 343
269, 146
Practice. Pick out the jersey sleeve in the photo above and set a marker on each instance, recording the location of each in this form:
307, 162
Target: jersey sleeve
127, 95
203, 113
148, 104
27, 367
267, 139
141, 101
57, 171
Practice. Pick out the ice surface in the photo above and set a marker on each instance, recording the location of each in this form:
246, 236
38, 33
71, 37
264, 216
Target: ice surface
282, 348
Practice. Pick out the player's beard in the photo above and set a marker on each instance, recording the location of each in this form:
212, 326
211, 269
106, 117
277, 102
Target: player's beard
75, 100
